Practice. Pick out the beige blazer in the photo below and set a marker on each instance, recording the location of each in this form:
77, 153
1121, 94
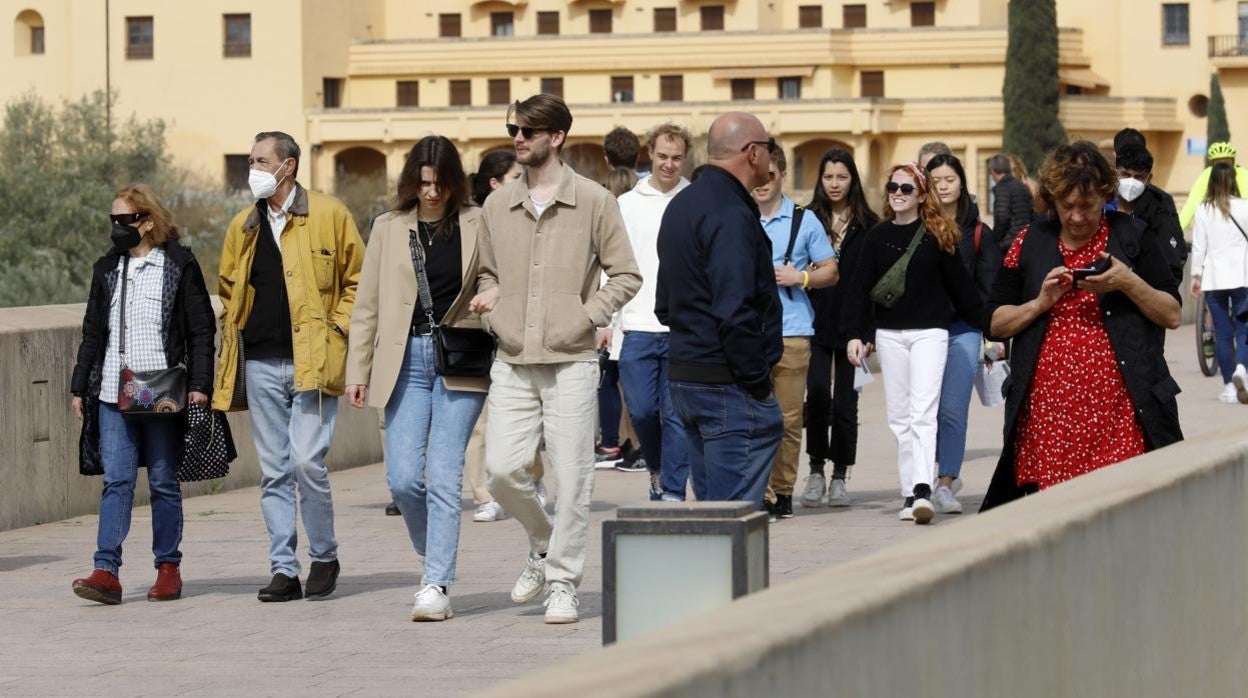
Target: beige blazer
387, 296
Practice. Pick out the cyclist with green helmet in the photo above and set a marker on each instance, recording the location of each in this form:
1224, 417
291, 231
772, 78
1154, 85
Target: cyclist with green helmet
1220, 151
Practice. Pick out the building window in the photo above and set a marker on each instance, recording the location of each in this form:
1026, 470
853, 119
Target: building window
139, 37
548, 23
854, 16
789, 88
600, 21
237, 36
407, 93
712, 18
237, 170
502, 23
1174, 22
500, 91
665, 19
621, 88
461, 93
742, 88
553, 86
331, 92
672, 88
922, 14
810, 17
449, 25
36, 41
872, 83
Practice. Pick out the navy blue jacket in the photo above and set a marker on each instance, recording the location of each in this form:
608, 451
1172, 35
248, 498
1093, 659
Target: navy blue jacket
717, 287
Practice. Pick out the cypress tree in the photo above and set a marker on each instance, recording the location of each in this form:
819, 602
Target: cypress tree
1217, 129
1030, 93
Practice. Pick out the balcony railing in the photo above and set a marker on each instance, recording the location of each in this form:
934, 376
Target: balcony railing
1228, 46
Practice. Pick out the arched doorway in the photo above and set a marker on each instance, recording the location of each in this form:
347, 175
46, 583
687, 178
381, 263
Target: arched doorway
587, 159
360, 182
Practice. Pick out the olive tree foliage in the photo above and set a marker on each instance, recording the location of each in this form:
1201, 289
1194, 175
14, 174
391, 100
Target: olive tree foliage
60, 166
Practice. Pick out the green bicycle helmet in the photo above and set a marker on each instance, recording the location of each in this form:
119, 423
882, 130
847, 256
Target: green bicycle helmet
1220, 150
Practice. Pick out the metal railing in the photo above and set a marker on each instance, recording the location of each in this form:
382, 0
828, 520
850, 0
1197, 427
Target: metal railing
1228, 45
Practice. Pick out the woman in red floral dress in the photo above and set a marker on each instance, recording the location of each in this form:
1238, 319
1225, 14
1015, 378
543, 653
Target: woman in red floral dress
1089, 385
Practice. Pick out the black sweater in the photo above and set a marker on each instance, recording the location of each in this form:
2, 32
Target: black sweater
267, 333
828, 302
935, 281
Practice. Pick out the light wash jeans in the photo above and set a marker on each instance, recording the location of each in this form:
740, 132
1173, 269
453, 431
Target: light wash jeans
121, 440
292, 431
558, 402
427, 430
955, 401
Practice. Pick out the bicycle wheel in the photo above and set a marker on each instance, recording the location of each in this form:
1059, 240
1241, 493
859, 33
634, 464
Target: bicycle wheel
1204, 338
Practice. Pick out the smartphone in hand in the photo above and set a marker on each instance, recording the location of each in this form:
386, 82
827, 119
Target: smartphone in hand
1100, 266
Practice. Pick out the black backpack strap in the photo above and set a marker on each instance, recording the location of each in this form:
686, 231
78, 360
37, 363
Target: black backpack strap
793, 230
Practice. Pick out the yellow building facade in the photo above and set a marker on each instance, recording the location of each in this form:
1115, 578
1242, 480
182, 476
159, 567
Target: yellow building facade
357, 82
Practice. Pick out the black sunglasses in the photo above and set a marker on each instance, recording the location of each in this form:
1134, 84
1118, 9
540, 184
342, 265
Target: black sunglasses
770, 143
892, 188
126, 218
528, 131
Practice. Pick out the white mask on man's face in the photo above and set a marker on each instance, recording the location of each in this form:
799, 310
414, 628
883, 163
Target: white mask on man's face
1130, 188
263, 184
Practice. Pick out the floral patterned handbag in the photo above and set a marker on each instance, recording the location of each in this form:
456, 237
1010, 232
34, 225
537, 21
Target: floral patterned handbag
147, 393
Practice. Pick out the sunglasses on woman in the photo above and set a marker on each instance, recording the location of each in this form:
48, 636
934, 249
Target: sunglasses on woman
528, 131
893, 187
126, 218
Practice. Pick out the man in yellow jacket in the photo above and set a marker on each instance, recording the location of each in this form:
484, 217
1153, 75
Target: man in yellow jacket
289, 269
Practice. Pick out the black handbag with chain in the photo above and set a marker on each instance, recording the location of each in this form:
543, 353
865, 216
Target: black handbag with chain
147, 393
457, 351
208, 446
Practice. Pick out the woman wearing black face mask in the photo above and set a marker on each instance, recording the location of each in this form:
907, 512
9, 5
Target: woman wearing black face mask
167, 319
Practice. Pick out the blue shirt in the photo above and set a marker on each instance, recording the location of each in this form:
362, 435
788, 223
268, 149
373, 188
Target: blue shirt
812, 246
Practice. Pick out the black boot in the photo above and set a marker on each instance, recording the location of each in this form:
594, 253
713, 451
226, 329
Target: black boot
322, 580
282, 588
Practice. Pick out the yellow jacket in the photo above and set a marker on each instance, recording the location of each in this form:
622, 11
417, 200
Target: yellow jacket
322, 254
1200, 187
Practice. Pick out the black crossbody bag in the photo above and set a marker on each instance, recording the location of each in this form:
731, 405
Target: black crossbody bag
457, 352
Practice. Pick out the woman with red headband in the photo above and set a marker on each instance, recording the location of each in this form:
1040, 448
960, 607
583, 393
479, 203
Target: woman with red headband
899, 299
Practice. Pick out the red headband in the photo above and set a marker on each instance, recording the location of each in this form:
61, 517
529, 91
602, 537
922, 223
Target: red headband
916, 172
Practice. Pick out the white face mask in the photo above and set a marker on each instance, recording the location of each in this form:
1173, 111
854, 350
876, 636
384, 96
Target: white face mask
1130, 188
263, 184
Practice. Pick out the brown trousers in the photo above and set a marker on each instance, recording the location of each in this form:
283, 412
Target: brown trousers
789, 379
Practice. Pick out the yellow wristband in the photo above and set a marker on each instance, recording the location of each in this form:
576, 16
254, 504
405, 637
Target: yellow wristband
805, 279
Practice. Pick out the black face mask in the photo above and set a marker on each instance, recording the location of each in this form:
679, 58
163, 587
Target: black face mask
125, 237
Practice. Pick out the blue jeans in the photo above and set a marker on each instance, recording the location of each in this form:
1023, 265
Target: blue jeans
1230, 336
121, 437
609, 407
643, 376
427, 430
732, 438
955, 401
292, 431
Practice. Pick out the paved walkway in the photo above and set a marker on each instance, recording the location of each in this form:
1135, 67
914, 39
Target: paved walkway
219, 640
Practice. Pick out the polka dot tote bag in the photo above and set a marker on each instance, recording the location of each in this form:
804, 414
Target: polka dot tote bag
208, 446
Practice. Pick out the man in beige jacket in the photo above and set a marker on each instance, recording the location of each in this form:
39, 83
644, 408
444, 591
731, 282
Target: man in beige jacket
545, 241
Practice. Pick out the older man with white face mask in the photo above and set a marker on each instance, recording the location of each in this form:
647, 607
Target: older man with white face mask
289, 268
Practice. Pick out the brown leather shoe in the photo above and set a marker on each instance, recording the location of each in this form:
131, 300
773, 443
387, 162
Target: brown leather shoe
168, 584
102, 586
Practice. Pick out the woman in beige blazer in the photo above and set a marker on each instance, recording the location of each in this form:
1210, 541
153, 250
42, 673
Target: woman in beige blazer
390, 365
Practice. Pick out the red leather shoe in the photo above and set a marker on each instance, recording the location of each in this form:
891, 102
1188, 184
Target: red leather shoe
168, 584
101, 586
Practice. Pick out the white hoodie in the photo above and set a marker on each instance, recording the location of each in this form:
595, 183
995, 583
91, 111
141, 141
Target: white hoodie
642, 210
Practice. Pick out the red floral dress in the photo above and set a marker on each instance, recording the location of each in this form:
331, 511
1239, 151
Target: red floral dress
1078, 415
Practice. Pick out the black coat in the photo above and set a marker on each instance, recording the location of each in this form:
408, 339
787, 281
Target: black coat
188, 325
1156, 209
827, 302
1138, 343
984, 264
1011, 210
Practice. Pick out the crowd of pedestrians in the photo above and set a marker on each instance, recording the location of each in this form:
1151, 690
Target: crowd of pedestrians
505, 323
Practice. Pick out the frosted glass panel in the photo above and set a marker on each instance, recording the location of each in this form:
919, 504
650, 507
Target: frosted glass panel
662, 579
756, 561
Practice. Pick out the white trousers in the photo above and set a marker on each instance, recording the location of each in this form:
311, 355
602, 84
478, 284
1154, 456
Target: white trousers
912, 364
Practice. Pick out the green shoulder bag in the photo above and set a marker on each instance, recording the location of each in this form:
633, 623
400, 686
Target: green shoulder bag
892, 286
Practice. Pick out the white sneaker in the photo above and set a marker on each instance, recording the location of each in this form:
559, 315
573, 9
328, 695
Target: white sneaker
1230, 394
531, 581
1240, 380
431, 605
945, 502
907, 510
816, 486
490, 511
922, 511
956, 487
540, 487
838, 496
561, 606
